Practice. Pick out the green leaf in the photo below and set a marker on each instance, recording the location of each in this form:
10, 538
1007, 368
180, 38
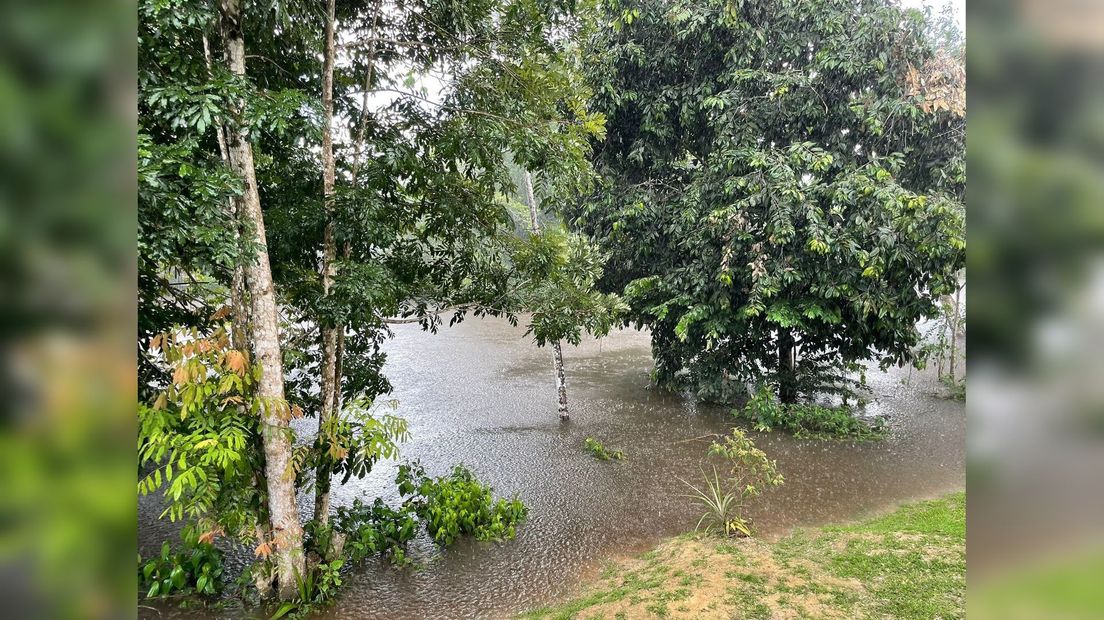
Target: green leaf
283, 610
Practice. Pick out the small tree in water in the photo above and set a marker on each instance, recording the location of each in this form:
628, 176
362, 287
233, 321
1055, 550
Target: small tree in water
556, 278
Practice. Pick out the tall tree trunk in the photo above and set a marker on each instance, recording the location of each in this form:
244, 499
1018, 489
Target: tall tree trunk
239, 337
557, 350
279, 471
787, 379
956, 326
329, 255
239, 314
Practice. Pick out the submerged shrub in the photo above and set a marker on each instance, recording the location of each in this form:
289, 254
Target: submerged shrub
195, 568
450, 507
601, 452
316, 588
806, 419
723, 499
458, 505
376, 528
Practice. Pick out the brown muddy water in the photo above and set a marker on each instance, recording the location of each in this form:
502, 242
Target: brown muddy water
481, 394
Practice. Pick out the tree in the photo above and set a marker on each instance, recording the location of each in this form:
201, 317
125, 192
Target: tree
777, 204
557, 350
408, 214
416, 209
202, 225
553, 275
287, 531
328, 407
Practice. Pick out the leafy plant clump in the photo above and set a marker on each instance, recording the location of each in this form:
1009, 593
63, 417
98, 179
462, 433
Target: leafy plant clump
956, 388
458, 505
601, 452
316, 588
376, 528
807, 420
195, 568
724, 499
450, 507
357, 532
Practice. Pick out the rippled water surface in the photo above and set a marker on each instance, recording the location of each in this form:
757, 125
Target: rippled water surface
481, 394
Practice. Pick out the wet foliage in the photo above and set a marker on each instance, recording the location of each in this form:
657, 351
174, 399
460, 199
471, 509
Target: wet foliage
194, 567
458, 504
780, 201
749, 471
807, 420
376, 528
601, 452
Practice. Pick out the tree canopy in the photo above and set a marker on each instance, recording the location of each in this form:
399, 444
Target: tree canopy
781, 197
430, 102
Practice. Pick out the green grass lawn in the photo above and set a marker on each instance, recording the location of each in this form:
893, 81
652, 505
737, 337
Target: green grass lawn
910, 563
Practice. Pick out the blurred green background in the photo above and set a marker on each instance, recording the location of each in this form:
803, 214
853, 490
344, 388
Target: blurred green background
67, 255
1036, 306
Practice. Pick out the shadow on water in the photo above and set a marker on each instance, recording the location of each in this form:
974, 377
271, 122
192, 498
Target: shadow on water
481, 394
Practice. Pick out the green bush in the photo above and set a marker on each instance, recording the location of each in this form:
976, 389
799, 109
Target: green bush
602, 453
459, 505
806, 419
450, 507
376, 528
196, 568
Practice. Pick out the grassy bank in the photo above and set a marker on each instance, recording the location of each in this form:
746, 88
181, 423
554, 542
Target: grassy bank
908, 564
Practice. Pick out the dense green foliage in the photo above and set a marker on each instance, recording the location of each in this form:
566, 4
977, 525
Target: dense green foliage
458, 505
198, 437
350, 443
781, 201
806, 419
556, 275
449, 507
375, 528
196, 567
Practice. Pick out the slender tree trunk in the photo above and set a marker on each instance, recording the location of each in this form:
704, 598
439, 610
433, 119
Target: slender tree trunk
561, 381
239, 315
956, 325
358, 147
279, 471
557, 350
787, 388
329, 255
534, 223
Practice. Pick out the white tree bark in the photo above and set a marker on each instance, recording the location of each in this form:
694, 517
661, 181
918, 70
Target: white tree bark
561, 381
557, 351
329, 255
286, 530
239, 315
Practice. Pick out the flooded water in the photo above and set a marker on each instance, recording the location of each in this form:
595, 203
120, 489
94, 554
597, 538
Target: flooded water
481, 394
